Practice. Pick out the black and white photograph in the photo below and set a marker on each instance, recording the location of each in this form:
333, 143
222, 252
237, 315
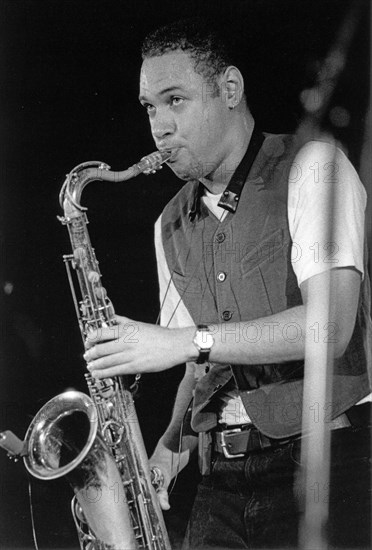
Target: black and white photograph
185, 301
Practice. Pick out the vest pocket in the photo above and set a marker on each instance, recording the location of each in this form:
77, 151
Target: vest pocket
265, 250
264, 274
184, 284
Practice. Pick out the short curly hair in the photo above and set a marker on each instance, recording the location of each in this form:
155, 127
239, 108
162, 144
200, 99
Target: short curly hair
206, 46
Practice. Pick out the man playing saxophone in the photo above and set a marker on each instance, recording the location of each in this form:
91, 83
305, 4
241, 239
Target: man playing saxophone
238, 276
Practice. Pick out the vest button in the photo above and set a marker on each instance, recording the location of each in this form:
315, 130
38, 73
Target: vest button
218, 387
226, 315
221, 276
220, 237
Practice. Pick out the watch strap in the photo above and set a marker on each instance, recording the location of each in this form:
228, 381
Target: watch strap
203, 353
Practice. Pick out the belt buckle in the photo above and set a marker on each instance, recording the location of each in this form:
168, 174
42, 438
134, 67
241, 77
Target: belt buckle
224, 444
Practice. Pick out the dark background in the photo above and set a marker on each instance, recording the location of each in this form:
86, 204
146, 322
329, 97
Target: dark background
69, 86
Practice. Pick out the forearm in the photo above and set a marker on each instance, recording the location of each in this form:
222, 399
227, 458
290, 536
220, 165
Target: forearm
171, 462
327, 316
273, 339
174, 448
276, 338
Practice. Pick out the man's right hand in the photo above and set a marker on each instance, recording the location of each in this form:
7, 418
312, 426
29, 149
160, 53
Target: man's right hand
166, 465
161, 480
163, 498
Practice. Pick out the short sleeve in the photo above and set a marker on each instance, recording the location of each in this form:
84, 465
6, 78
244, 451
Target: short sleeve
326, 209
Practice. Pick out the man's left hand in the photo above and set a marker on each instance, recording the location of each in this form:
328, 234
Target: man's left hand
131, 347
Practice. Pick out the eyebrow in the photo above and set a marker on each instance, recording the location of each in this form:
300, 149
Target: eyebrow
163, 92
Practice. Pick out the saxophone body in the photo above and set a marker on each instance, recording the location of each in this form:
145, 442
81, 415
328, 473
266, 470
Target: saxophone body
95, 441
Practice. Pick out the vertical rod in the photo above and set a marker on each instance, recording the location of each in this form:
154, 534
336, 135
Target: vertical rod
319, 352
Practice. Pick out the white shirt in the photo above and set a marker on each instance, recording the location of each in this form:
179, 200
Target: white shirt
323, 184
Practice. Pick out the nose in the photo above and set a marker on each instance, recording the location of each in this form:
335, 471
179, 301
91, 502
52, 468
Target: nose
162, 124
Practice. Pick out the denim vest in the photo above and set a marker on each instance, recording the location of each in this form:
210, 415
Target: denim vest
240, 270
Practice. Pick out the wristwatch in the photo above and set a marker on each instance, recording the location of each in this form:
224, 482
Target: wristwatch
203, 341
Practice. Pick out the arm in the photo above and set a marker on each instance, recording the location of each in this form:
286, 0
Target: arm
166, 455
276, 338
281, 337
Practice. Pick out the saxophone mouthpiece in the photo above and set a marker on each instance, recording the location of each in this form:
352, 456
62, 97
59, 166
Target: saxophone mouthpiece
165, 155
150, 163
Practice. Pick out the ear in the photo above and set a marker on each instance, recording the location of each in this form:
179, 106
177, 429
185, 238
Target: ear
233, 86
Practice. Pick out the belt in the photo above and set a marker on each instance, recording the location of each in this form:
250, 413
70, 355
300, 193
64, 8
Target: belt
237, 441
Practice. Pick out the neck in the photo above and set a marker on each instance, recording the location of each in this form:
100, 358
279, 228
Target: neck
238, 139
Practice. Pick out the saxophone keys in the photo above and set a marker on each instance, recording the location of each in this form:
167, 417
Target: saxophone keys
112, 433
79, 512
100, 293
79, 255
93, 277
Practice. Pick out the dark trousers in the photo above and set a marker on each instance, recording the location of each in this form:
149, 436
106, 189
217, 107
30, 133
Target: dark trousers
254, 502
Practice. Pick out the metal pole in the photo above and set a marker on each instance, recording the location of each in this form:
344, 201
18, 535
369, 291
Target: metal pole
319, 351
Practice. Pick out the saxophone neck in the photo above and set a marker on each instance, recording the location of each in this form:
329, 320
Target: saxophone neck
76, 180
87, 172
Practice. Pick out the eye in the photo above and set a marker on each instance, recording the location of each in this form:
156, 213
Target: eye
149, 108
176, 100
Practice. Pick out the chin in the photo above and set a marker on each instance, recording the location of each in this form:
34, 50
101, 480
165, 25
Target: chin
185, 166
182, 173
182, 176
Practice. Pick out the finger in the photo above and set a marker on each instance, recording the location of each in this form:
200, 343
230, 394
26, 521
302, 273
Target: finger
163, 499
126, 332
101, 350
101, 334
120, 319
109, 360
110, 372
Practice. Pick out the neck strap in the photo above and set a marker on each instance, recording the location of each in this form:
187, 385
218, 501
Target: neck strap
230, 197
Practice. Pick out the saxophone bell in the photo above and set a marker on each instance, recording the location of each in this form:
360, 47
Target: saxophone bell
64, 440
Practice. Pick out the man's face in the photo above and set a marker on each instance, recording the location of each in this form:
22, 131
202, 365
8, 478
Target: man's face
184, 116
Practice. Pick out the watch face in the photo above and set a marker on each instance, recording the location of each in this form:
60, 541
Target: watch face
204, 339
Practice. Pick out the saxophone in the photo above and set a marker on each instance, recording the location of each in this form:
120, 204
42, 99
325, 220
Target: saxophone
96, 441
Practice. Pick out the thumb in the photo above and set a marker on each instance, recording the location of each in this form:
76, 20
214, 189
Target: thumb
163, 498
121, 320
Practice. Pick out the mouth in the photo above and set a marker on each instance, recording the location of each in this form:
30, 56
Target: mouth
173, 153
173, 157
